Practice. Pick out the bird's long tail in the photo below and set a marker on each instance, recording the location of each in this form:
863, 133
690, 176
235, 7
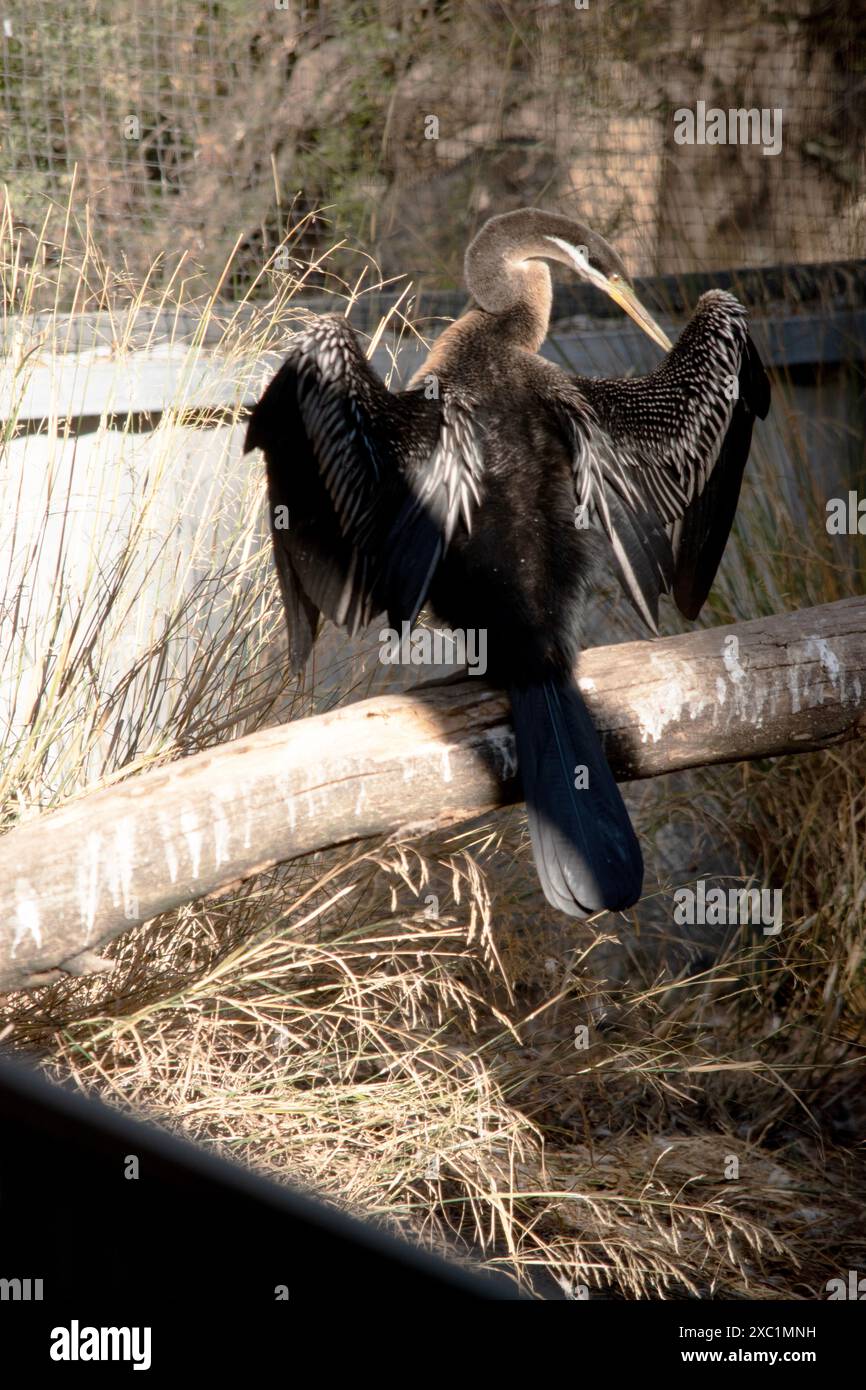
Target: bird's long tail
585, 848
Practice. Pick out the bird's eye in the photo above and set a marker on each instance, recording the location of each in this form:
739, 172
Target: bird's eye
615, 278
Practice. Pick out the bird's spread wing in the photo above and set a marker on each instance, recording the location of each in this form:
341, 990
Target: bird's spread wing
660, 459
314, 424
365, 487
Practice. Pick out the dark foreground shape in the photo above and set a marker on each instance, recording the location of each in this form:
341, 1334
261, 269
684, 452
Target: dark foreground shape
123, 1221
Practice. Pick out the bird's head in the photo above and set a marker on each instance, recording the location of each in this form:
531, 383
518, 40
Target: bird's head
499, 263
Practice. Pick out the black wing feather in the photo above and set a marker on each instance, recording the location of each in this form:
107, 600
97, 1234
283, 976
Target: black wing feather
374, 484
442, 495
660, 464
699, 537
319, 565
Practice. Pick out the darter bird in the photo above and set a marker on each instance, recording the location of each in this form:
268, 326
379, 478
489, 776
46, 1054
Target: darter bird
495, 496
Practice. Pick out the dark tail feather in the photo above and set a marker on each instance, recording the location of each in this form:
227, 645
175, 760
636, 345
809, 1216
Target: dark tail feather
585, 848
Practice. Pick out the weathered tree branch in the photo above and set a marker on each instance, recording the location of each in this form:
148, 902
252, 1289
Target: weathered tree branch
399, 764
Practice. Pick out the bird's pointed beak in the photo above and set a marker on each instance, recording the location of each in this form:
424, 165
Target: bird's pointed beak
616, 288
625, 297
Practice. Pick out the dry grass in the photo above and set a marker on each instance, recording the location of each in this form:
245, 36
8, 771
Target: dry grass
399, 1028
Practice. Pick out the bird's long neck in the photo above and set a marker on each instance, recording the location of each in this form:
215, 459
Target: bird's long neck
507, 283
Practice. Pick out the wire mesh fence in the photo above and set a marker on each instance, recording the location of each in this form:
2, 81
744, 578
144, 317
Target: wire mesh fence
695, 136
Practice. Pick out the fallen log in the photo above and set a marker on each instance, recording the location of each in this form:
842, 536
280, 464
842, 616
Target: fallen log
404, 764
